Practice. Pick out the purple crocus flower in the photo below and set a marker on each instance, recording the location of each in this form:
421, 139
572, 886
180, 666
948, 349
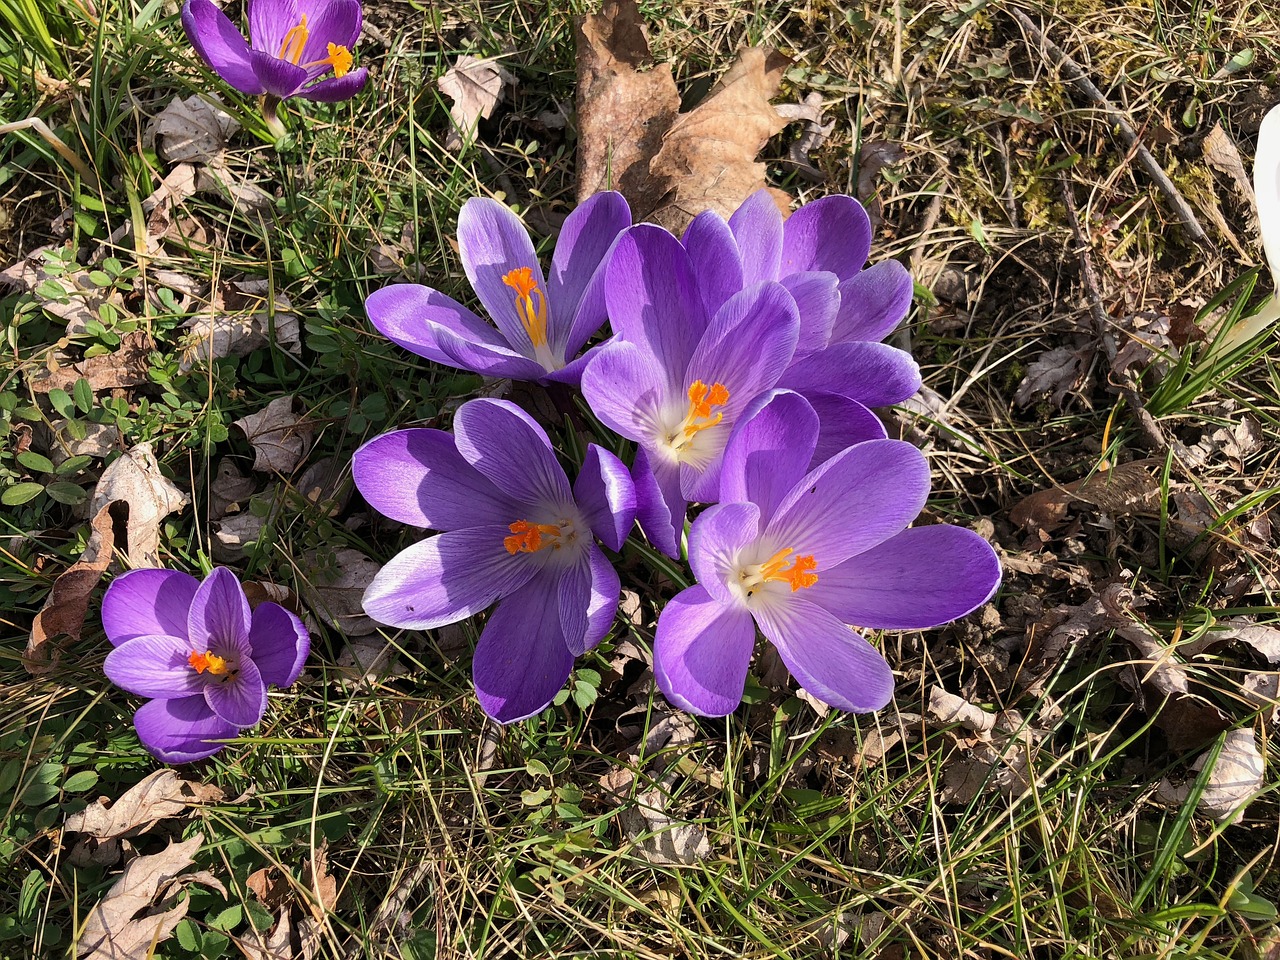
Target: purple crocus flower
291, 43
803, 552
675, 378
202, 656
512, 530
538, 327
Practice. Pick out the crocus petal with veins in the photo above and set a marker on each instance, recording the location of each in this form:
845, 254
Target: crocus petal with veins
182, 731
151, 601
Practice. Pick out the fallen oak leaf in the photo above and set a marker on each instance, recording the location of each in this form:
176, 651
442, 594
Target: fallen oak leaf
280, 437
191, 130
475, 87
159, 796
123, 368
135, 478
1265, 640
64, 610
1234, 779
1187, 720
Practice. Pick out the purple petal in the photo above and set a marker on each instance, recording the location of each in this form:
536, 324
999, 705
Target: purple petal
701, 653
825, 656
769, 453
854, 501
521, 660
240, 700
270, 21
181, 731
578, 266
447, 578
219, 615
660, 509
747, 347
410, 314
588, 599
280, 78
606, 496
280, 644
336, 89
417, 476
509, 448
154, 666
487, 361
144, 602
924, 577
757, 227
715, 540
653, 298
874, 374
832, 234
716, 262
627, 389
221, 45
842, 423
817, 297
331, 21
571, 372
493, 242
873, 302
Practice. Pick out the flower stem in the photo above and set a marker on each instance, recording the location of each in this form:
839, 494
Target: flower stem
270, 113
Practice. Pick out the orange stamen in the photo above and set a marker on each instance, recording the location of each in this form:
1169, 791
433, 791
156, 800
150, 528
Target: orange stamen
702, 399
201, 662
529, 537
534, 319
295, 41
339, 58
800, 574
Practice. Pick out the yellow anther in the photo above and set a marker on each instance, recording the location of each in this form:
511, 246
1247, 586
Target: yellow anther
533, 318
339, 58
799, 575
295, 41
201, 662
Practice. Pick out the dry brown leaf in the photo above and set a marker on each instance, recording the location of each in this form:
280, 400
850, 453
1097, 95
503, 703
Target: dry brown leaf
123, 368
368, 660
229, 488
947, 708
1221, 153
1236, 777
233, 534
1264, 639
158, 796
336, 589
193, 130
239, 322
139, 910
288, 939
81, 300
1058, 372
670, 166
1124, 490
280, 437
324, 485
270, 886
475, 87
98, 441
135, 478
64, 609
1187, 720
317, 879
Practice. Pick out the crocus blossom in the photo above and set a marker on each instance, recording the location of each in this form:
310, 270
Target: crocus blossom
200, 654
802, 553
292, 44
511, 530
538, 327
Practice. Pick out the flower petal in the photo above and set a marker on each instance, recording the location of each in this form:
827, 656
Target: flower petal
831, 234
509, 448
487, 361
873, 302
336, 89
328, 21
242, 699
757, 227
715, 540
521, 661
825, 656
220, 45
588, 599
270, 21
851, 503
626, 387
923, 577
874, 374
606, 496
701, 653
493, 242
219, 615
409, 315
770, 452
717, 264
578, 267
183, 730
817, 297
154, 666
144, 602
280, 78
279, 644
653, 299
447, 578
417, 476
660, 508
842, 423
1266, 186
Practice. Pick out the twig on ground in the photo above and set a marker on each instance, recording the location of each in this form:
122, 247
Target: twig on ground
51, 138
1073, 72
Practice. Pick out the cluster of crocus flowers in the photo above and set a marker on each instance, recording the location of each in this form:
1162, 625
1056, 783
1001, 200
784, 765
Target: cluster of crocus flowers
292, 45
200, 655
743, 359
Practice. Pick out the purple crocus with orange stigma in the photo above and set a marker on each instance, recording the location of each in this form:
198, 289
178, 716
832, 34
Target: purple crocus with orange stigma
512, 530
202, 656
802, 552
539, 326
292, 44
